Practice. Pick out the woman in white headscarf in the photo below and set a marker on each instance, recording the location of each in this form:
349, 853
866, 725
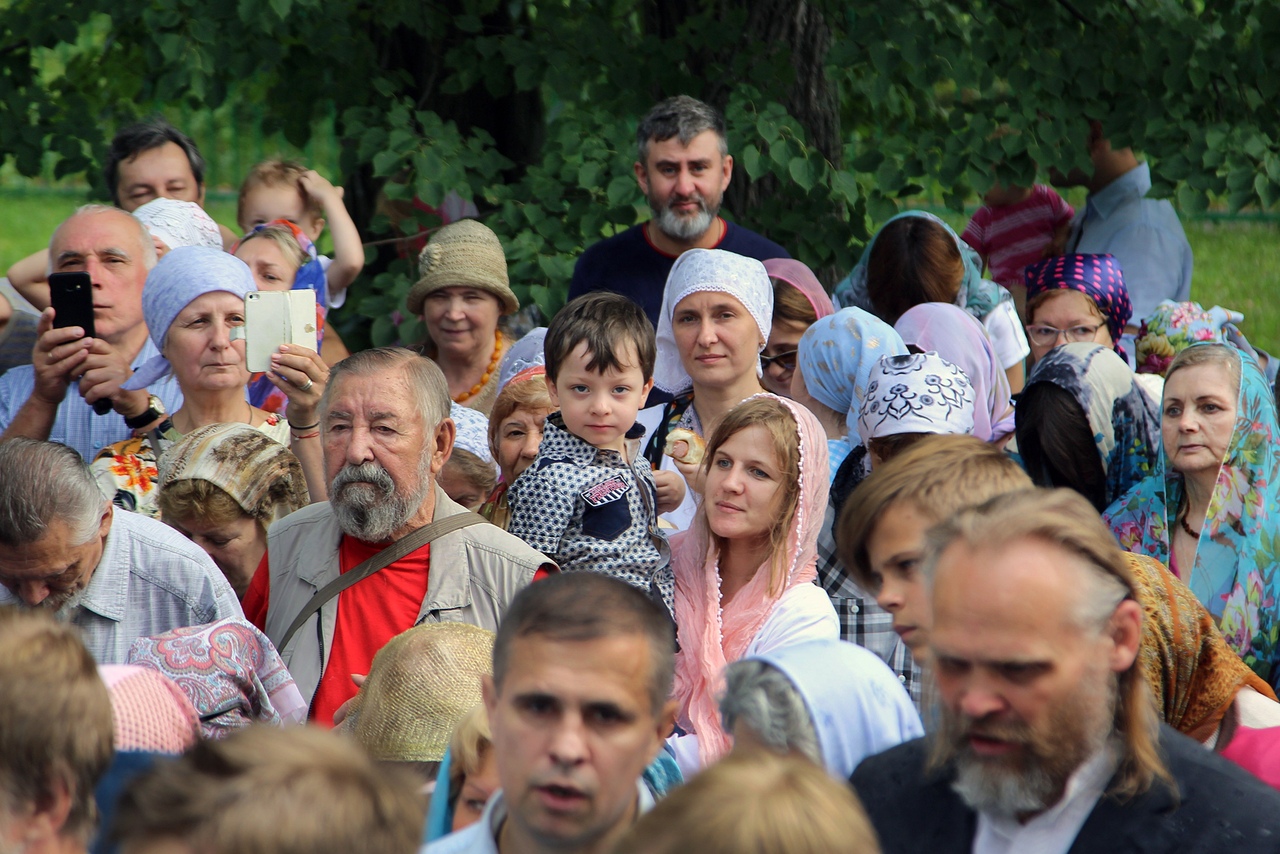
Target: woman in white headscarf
717, 310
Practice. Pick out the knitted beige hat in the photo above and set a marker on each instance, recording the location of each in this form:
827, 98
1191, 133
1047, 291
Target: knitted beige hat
463, 254
420, 687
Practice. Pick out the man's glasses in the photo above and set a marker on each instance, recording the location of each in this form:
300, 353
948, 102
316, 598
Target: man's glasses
1047, 336
786, 361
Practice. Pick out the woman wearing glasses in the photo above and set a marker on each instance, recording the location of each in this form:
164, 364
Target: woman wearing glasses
799, 301
1074, 299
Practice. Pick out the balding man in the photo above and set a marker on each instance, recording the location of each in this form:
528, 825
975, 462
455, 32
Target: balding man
1049, 740
54, 397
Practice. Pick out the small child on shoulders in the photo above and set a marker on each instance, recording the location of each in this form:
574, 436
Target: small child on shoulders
1015, 227
589, 500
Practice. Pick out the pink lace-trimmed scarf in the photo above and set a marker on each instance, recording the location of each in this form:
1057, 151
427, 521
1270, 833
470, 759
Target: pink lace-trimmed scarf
710, 636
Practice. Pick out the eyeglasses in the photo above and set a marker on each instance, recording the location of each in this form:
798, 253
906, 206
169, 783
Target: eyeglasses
1048, 335
786, 361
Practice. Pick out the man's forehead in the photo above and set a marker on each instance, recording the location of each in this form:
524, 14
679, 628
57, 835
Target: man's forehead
101, 231
703, 146
381, 394
612, 669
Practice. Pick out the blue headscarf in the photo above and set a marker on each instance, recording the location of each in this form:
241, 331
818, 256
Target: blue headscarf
1237, 568
836, 355
977, 295
181, 276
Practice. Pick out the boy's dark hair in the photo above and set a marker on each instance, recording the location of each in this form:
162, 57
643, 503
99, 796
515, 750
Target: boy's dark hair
583, 606
607, 322
142, 136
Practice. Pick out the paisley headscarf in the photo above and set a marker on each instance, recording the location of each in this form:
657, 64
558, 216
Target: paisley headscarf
800, 277
956, 336
1124, 420
977, 295
711, 636
1098, 277
916, 393
699, 270
1175, 326
1236, 574
836, 356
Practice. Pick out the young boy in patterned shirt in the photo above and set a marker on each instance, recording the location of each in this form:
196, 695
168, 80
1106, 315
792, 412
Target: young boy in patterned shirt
589, 501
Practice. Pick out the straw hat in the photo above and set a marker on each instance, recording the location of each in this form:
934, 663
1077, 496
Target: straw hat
463, 254
421, 685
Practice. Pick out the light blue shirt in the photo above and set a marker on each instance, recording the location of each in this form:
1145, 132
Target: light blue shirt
482, 837
1144, 235
76, 425
150, 579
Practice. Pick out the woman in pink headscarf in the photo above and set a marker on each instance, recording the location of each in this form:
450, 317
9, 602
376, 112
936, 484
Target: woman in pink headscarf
953, 334
745, 570
799, 301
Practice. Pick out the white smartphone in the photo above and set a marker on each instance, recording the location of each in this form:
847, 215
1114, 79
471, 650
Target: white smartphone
272, 318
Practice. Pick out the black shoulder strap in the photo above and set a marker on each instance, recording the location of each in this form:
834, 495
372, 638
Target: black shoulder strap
413, 541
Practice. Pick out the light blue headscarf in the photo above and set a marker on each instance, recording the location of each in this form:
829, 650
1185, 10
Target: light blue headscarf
836, 355
528, 352
473, 432
977, 295
180, 277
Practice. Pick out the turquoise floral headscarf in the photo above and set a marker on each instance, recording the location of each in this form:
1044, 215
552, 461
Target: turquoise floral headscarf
1237, 568
977, 296
1175, 326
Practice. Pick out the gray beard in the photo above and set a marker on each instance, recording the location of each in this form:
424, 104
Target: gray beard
367, 505
684, 228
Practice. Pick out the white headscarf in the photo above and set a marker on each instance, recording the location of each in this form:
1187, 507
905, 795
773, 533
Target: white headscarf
179, 223
918, 393
697, 270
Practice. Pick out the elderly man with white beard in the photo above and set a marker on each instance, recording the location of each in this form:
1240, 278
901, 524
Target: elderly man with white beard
1049, 740
389, 550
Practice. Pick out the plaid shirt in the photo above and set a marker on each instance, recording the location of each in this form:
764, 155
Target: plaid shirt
589, 509
862, 621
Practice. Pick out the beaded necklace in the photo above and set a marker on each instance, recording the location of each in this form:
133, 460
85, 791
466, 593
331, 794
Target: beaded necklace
488, 372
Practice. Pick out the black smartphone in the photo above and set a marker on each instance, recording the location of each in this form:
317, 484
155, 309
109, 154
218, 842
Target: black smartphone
71, 295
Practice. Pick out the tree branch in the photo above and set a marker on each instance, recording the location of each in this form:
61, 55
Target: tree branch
1076, 13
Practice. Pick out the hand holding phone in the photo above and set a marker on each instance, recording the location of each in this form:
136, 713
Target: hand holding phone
272, 318
71, 295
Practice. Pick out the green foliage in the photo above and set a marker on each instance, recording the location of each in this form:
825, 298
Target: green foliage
529, 109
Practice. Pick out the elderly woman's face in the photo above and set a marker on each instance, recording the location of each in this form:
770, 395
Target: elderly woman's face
519, 436
237, 548
461, 321
199, 346
1198, 417
718, 340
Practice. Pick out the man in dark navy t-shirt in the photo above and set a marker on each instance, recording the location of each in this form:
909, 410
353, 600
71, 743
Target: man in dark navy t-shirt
683, 169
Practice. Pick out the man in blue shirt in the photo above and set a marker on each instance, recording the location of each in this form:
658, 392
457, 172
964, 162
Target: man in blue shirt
1144, 234
38, 401
683, 169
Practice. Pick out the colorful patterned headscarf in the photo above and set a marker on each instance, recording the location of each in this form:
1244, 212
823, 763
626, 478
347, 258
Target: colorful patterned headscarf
916, 393
697, 271
1124, 420
836, 356
1237, 568
1098, 277
229, 670
956, 336
710, 636
1175, 326
977, 295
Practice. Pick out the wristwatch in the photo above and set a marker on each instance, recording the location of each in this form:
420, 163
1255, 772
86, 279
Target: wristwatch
154, 411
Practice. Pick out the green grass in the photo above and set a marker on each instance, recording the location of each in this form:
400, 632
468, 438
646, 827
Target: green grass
1237, 262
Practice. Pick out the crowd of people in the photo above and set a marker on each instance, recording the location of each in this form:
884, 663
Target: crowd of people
972, 552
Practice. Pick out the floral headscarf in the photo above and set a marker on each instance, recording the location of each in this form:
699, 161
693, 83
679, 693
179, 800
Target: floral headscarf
800, 277
1175, 326
1098, 277
1237, 568
956, 336
916, 393
977, 296
711, 636
229, 670
836, 356
699, 270
1124, 420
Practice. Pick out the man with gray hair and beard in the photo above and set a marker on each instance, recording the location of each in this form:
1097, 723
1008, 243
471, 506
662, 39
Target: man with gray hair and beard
115, 575
1049, 740
385, 426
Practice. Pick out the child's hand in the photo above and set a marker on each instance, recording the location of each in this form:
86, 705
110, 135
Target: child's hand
316, 186
671, 489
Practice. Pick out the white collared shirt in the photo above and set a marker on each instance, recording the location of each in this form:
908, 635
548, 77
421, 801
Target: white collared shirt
1054, 830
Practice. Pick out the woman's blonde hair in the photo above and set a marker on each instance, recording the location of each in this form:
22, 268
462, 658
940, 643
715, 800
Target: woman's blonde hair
471, 741
755, 801
780, 424
283, 237
1207, 354
526, 394
198, 499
